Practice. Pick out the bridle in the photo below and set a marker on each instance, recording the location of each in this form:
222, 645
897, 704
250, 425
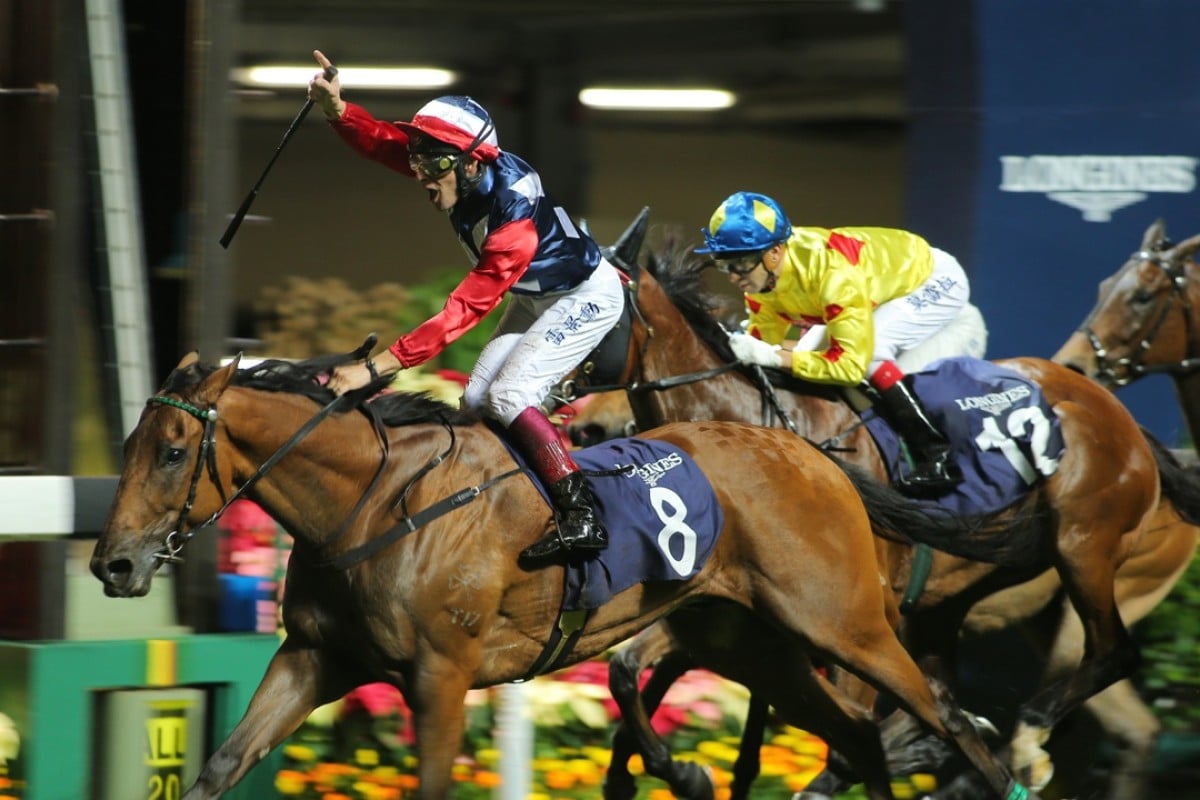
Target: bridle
1122, 371
575, 388
206, 455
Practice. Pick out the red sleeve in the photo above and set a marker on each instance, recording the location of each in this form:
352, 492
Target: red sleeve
377, 140
504, 257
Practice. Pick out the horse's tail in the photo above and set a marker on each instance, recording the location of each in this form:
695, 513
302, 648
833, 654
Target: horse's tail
1180, 484
1009, 538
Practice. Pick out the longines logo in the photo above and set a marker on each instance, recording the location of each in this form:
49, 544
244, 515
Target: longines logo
1097, 185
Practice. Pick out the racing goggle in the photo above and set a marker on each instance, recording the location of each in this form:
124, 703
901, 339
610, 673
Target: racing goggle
432, 166
740, 266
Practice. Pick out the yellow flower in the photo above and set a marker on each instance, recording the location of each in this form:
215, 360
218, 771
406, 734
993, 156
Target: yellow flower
289, 782
718, 751
300, 752
903, 790
600, 755
488, 756
367, 757
922, 782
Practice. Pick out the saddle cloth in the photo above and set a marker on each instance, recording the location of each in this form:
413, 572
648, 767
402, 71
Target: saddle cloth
1003, 434
659, 509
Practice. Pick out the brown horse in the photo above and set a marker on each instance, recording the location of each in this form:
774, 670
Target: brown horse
1143, 323
1091, 515
435, 603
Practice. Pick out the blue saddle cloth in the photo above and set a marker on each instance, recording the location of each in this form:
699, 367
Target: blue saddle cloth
1002, 432
661, 515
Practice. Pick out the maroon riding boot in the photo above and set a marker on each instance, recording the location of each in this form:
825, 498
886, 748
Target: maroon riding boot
578, 527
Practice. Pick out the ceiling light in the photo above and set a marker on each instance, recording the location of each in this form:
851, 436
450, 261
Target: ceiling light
290, 76
656, 99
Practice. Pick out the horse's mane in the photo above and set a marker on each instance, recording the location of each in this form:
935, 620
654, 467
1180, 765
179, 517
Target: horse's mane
677, 269
302, 378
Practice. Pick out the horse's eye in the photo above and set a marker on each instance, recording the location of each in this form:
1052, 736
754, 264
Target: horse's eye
173, 456
1142, 296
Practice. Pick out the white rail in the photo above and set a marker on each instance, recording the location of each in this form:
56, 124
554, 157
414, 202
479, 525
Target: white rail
121, 207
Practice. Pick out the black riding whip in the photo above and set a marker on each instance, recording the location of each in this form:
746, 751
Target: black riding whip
236, 222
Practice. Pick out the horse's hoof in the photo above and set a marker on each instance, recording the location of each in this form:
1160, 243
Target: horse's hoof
1036, 775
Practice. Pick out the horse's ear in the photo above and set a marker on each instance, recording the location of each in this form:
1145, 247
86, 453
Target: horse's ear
1155, 235
189, 361
1185, 249
218, 382
624, 253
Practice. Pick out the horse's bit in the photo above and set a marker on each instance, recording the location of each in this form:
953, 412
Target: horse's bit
1122, 371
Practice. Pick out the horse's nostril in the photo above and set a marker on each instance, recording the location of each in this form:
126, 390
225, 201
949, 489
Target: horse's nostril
119, 569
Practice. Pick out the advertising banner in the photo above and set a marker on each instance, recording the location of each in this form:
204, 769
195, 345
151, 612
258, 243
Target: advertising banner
1045, 139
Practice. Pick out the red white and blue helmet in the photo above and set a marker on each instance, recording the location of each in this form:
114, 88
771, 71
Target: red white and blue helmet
745, 222
459, 122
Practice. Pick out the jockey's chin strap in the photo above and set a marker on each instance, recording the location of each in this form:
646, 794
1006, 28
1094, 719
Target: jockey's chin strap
1122, 371
207, 455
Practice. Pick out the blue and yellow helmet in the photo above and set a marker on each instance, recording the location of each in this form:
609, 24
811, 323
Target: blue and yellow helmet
745, 222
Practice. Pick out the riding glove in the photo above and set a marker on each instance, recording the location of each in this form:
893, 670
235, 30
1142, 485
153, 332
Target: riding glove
750, 350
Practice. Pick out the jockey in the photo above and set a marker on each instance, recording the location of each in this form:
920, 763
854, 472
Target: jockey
878, 292
565, 296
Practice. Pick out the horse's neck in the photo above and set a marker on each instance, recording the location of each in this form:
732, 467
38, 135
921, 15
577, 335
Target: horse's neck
677, 349
1187, 384
310, 490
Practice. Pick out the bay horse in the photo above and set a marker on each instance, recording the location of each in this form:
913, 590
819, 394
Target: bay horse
1090, 516
434, 601
1144, 323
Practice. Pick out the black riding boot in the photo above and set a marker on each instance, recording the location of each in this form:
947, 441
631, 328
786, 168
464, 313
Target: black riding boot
578, 528
933, 472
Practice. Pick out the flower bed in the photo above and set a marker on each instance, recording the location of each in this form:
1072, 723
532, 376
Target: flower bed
362, 748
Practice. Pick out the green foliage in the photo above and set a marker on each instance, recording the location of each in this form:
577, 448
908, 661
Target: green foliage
426, 299
1170, 640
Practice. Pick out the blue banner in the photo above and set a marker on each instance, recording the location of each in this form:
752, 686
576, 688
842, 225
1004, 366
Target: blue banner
1044, 142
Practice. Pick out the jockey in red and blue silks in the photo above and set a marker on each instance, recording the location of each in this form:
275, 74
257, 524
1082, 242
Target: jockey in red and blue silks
565, 295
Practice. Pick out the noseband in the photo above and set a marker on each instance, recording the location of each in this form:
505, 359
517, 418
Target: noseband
1122, 371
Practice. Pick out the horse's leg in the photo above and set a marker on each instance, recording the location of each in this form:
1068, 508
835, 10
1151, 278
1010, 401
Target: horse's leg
743, 648
297, 680
837, 776
1142, 581
1110, 654
651, 648
687, 780
746, 767
875, 654
1122, 714
436, 698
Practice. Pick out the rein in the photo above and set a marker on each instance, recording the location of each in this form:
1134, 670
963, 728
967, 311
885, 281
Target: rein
174, 543
411, 522
1123, 371
572, 389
